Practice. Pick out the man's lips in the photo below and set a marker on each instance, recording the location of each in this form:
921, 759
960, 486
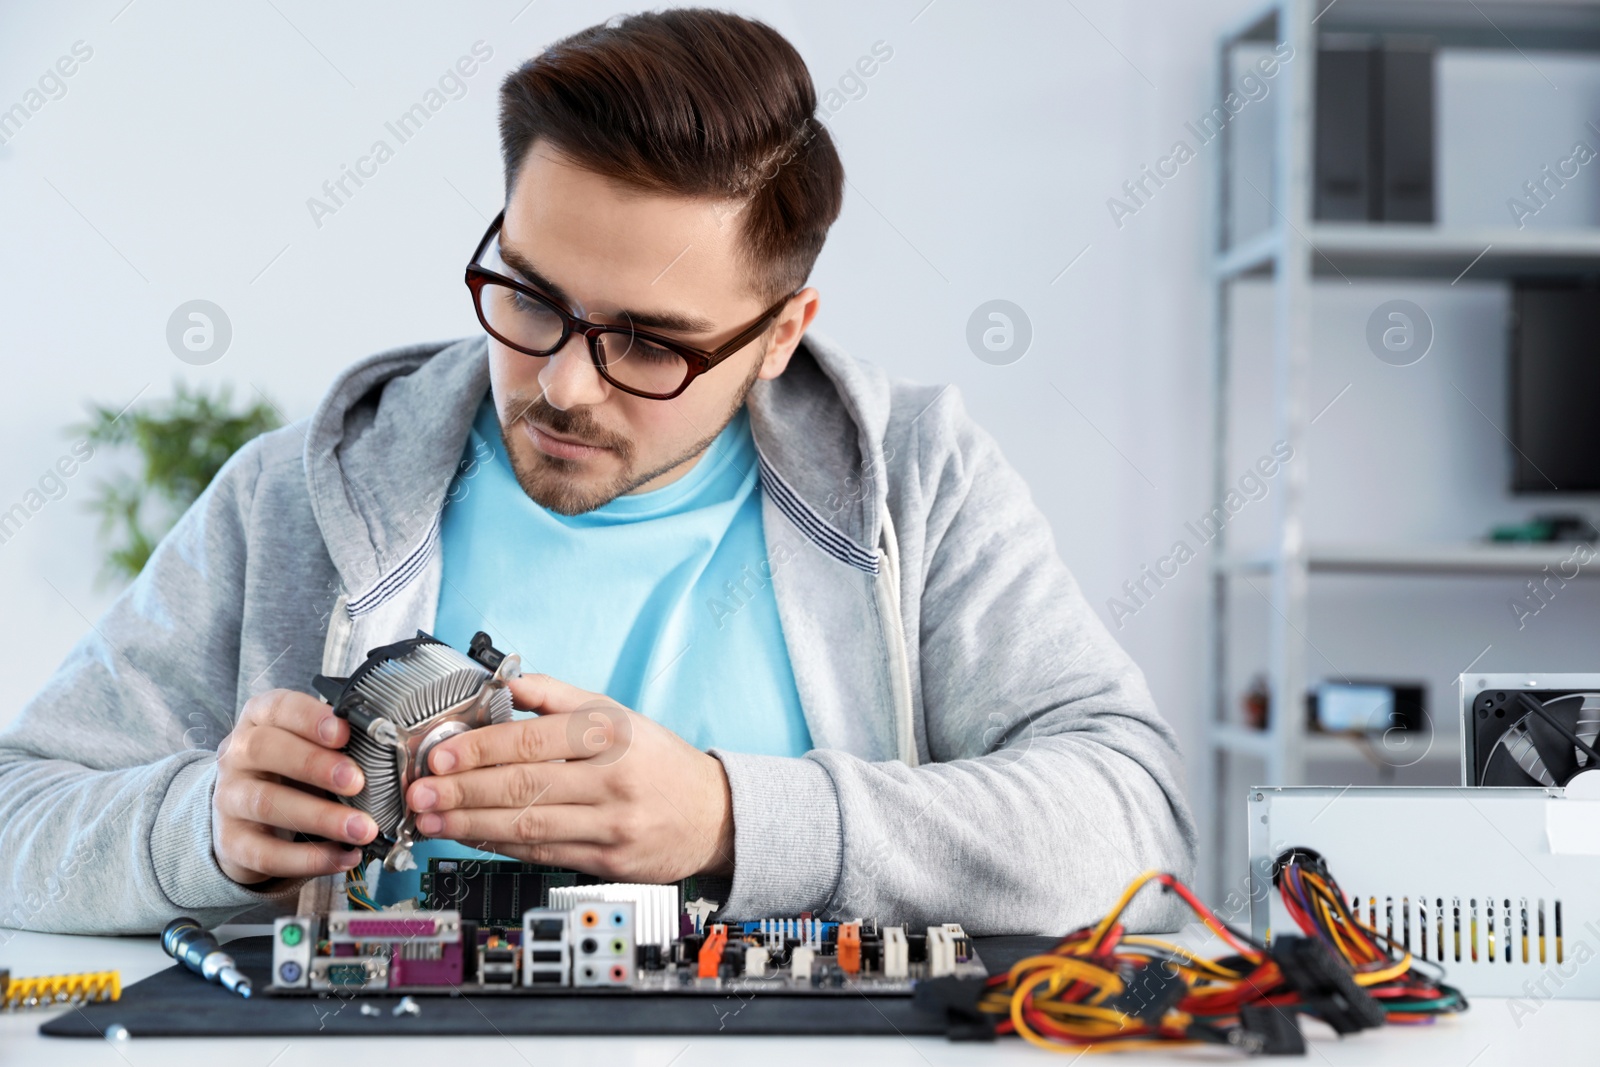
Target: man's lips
559, 447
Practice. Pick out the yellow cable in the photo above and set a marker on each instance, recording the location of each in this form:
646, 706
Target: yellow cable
1193, 961
1388, 974
1111, 916
1058, 970
1021, 1024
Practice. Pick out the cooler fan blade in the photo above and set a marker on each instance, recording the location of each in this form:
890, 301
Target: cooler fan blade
1562, 732
1556, 753
1502, 769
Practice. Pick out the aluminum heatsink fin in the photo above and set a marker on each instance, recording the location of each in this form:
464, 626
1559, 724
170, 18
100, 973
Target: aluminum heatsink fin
424, 682
500, 706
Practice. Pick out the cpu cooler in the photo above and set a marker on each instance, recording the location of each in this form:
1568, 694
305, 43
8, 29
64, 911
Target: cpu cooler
401, 702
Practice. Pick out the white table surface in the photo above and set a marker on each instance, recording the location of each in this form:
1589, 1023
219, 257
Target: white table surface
1559, 1033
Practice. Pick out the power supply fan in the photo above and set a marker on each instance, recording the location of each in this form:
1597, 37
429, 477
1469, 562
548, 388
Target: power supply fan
1527, 739
402, 701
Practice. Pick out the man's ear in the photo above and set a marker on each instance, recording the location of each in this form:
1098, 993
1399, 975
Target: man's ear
790, 327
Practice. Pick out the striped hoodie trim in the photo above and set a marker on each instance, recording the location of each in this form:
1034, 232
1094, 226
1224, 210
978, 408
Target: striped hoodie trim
826, 536
391, 584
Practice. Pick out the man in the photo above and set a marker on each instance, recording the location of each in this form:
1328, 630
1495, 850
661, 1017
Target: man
857, 679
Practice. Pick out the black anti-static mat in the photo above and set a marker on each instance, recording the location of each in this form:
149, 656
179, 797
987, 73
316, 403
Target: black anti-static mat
177, 1003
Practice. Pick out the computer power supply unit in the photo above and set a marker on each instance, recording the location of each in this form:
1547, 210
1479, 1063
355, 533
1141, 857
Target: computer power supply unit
1499, 887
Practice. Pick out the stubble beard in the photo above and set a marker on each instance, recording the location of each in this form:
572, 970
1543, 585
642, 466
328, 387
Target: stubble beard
551, 481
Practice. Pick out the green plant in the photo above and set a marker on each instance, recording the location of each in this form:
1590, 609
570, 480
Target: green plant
181, 443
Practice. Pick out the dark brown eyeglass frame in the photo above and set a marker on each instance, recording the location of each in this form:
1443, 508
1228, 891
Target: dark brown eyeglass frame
696, 361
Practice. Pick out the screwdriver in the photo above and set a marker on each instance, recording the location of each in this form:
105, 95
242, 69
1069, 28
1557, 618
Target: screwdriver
186, 941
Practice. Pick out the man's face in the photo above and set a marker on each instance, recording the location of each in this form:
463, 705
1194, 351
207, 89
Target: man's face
610, 253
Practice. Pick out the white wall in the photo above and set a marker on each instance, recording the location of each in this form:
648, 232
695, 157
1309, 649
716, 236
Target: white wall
980, 159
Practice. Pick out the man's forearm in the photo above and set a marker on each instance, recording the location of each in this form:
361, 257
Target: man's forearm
110, 852
1034, 841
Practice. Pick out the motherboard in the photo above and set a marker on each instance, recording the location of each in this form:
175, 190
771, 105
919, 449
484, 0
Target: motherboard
503, 927
599, 946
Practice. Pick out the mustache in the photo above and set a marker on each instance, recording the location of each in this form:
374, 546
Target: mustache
577, 424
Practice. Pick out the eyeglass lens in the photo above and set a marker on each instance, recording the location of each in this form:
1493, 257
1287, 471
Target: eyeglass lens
531, 324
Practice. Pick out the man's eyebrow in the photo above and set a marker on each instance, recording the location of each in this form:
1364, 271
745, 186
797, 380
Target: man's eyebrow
677, 322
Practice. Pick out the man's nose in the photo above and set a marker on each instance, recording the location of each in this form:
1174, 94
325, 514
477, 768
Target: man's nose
569, 378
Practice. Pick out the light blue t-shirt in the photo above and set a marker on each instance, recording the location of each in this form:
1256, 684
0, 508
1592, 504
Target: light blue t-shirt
661, 600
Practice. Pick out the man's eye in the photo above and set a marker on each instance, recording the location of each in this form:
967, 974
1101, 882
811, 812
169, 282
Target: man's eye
645, 350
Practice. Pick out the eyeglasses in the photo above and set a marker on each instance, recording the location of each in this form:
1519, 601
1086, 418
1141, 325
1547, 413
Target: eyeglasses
635, 361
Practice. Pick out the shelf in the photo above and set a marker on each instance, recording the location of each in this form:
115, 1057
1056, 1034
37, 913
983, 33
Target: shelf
1520, 24
1332, 748
1256, 257
1228, 737
1442, 559
1500, 24
1401, 250
1396, 250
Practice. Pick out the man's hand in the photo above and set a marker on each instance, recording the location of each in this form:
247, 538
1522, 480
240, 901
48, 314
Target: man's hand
633, 801
283, 743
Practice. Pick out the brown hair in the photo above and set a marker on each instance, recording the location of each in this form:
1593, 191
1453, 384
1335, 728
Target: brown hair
692, 102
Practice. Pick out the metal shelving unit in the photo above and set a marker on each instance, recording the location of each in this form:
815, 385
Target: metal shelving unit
1295, 252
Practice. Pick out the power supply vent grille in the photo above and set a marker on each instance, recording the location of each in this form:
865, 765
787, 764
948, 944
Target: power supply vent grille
1468, 929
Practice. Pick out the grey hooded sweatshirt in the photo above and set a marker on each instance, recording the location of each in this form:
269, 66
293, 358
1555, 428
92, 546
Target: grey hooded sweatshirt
985, 752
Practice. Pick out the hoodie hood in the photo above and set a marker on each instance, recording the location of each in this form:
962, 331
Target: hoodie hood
401, 419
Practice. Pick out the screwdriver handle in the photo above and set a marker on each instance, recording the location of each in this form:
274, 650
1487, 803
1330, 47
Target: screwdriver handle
186, 941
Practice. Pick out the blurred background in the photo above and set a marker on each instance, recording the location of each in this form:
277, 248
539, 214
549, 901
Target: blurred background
1352, 248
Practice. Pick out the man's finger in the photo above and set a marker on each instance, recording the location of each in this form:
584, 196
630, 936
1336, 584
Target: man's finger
590, 858
302, 715
544, 694
285, 753
260, 801
530, 825
513, 785
552, 737
266, 854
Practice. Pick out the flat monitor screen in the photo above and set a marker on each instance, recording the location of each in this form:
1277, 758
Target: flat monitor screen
1555, 387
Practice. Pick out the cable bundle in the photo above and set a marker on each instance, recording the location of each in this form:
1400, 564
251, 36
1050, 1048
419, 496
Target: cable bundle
1103, 987
355, 887
1385, 969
